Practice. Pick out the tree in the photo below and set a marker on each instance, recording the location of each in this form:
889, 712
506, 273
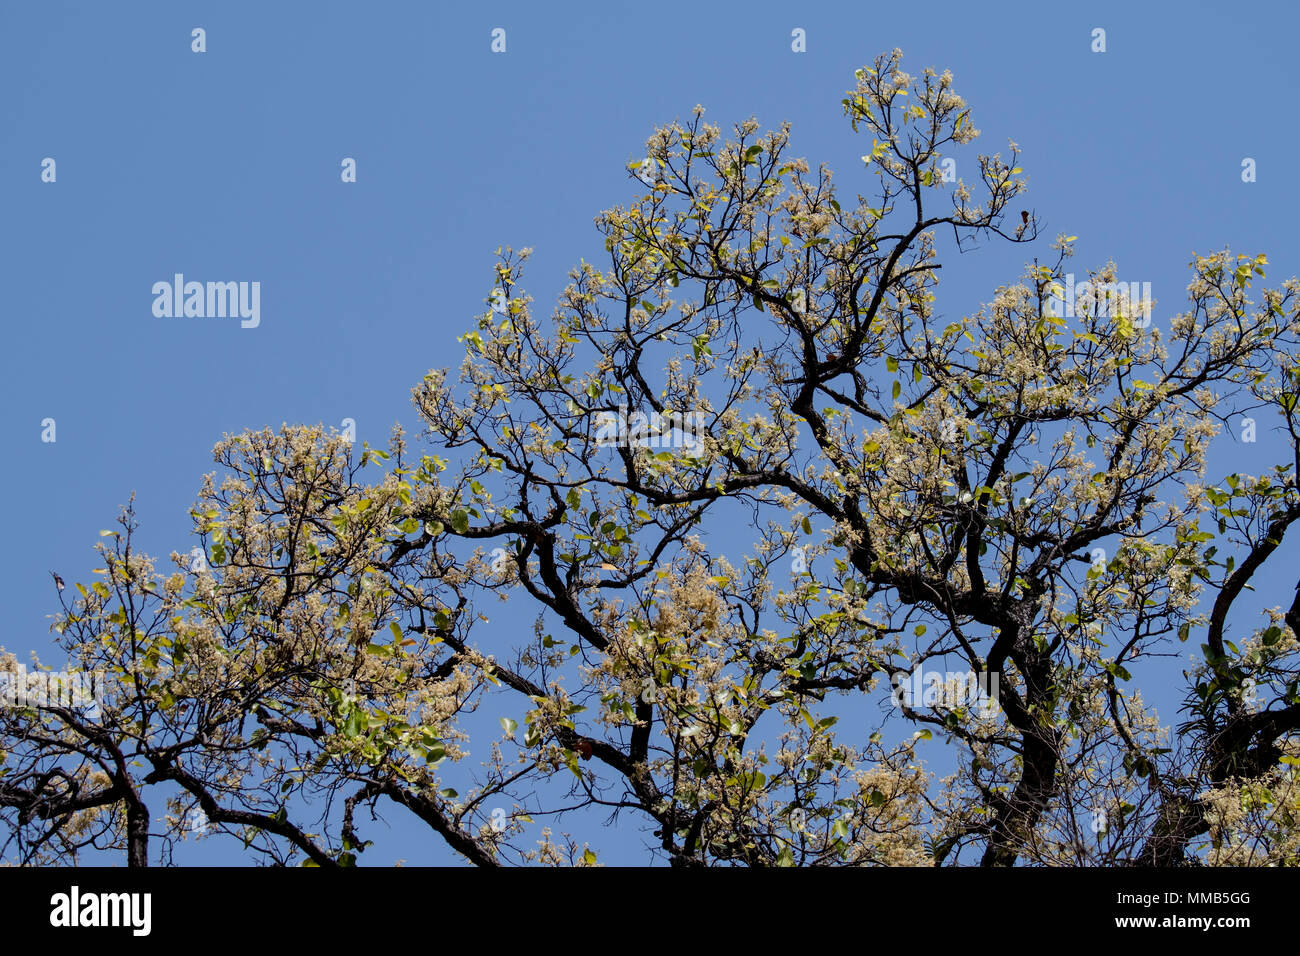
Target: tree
755, 493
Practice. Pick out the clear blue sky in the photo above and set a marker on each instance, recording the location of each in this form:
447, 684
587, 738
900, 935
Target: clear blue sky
225, 166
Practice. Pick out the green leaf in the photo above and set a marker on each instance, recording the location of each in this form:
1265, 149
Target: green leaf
460, 521
509, 726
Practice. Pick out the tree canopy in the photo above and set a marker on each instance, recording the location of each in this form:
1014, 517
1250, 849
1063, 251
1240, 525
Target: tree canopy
749, 489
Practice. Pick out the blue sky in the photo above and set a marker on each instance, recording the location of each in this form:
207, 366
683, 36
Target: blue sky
225, 166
